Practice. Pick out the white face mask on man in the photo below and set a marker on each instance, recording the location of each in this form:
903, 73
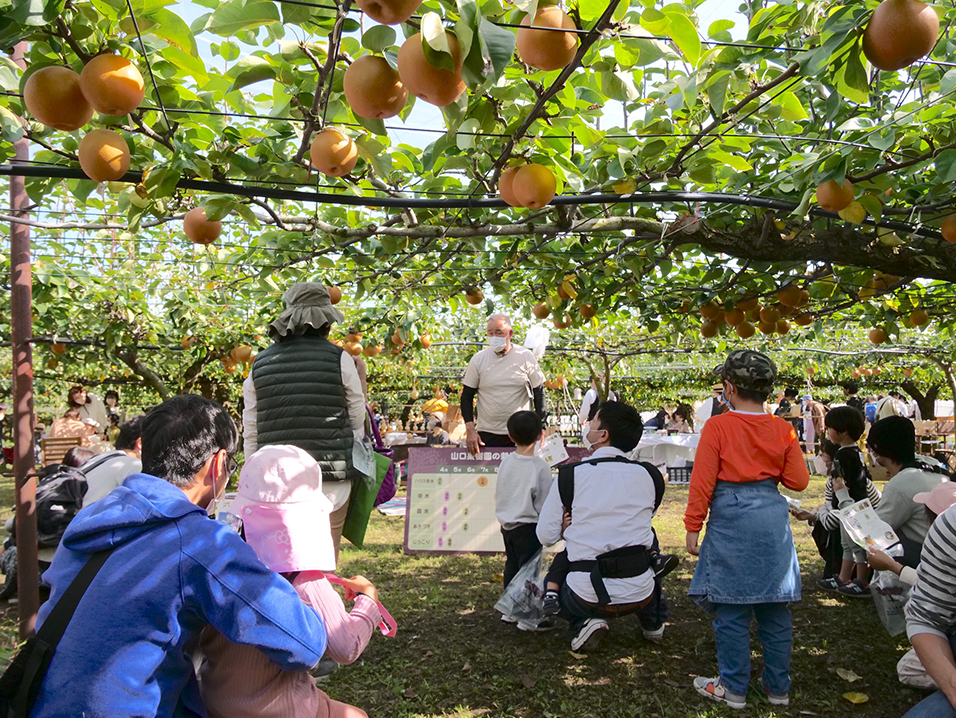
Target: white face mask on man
498, 344
587, 439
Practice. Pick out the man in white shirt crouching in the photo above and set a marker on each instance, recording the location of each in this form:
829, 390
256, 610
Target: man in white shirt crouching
611, 507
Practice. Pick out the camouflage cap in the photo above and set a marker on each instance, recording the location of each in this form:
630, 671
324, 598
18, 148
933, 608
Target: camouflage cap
747, 369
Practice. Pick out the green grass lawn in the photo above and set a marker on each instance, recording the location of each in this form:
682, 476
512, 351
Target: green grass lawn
453, 657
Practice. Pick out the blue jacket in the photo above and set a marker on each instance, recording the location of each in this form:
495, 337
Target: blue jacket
126, 650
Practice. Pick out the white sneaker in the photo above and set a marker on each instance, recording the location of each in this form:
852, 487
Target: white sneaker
590, 635
712, 688
655, 635
508, 619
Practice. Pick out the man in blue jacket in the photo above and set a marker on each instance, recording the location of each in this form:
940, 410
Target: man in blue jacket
173, 571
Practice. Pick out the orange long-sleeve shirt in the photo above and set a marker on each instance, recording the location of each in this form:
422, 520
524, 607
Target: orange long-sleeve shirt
741, 448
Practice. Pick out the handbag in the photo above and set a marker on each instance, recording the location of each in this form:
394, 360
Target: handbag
20, 684
365, 491
386, 491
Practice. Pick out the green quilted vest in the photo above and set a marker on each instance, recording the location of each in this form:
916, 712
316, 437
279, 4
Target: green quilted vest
300, 400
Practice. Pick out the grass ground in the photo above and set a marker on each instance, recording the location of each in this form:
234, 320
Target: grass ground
453, 657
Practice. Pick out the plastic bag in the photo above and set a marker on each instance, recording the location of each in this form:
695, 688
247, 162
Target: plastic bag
523, 598
912, 673
890, 596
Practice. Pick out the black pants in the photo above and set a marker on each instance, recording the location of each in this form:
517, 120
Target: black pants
652, 614
912, 551
830, 545
495, 439
521, 544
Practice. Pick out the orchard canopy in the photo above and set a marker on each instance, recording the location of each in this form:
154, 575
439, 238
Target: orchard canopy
686, 155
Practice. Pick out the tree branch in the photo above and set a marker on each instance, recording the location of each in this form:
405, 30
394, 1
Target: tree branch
757, 92
151, 378
321, 98
593, 35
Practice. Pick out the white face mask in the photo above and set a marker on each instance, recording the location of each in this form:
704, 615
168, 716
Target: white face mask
587, 439
498, 344
214, 502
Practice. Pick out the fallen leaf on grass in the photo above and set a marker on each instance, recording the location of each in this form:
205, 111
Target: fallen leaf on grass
466, 612
410, 693
578, 656
466, 668
856, 697
808, 713
673, 684
848, 676
499, 577
528, 681
428, 654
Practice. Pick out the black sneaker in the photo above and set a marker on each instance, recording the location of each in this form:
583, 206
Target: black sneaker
664, 563
551, 605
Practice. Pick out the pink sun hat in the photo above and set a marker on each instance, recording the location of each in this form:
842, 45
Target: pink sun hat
285, 515
939, 499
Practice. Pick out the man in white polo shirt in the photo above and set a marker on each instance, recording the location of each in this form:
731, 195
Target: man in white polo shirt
505, 378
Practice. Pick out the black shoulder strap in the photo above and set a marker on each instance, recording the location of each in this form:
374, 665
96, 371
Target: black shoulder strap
658, 478
53, 628
97, 461
566, 478
59, 618
566, 485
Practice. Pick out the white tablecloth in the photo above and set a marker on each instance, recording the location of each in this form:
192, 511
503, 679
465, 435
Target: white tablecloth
676, 450
400, 437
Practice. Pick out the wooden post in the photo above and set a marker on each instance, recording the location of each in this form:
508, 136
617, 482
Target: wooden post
21, 320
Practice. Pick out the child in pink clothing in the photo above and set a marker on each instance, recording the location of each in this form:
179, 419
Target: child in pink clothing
285, 518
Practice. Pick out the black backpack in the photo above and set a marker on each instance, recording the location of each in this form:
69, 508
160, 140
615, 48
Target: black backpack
60, 492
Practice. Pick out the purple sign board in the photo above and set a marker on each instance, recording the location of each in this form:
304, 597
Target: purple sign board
451, 500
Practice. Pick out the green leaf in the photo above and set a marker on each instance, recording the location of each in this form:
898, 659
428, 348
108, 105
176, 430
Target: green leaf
9, 75
803, 208
36, 13
852, 81
704, 174
684, 34
218, 206
718, 29
791, 107
882, 140
435, 42
591, 10
497, 47
249, 70
946, 166
192, 65
654, 21
717, 92
948, 82
174, 30
236, 15
10, 128
378, 37
375, 126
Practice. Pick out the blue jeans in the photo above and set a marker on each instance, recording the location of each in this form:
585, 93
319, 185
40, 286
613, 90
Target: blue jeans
775, 631
936, 706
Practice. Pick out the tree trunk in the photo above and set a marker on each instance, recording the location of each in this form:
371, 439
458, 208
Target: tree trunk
927, 402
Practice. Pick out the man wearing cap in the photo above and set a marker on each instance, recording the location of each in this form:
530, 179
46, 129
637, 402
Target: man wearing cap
748, 563
305, 391
505, 378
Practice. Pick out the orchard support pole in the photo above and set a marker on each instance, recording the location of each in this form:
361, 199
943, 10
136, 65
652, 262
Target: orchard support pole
21, 320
